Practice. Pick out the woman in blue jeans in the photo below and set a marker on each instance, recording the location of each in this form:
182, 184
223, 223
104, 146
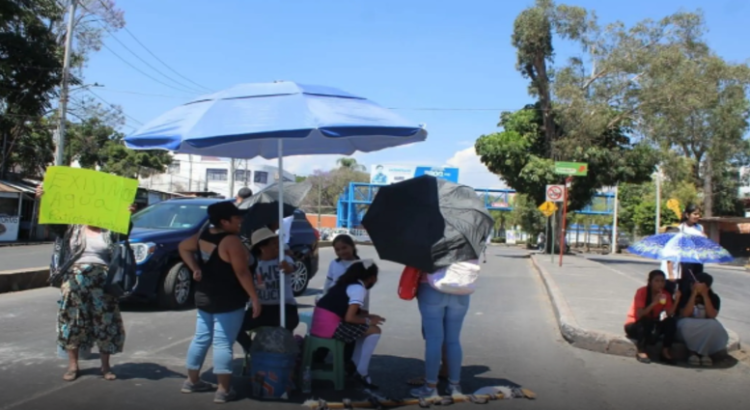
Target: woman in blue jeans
223, 283
442, 318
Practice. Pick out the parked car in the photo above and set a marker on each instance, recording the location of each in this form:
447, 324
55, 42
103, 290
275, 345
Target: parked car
159, 229
623, 241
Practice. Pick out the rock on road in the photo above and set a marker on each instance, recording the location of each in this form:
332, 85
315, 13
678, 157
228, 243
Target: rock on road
509, 334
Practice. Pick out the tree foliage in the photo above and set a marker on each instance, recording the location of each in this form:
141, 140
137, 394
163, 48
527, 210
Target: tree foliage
518, 153
30, 70
327, 186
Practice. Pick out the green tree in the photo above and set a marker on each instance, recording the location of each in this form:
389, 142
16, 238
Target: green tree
327, 186
96, 144
30, 69
518, 154
350, 163
707, 118
526, 215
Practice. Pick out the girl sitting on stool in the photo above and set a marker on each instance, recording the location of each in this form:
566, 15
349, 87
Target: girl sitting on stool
338, 315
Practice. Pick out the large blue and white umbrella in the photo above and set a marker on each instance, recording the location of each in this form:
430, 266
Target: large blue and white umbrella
681, 247
272, 120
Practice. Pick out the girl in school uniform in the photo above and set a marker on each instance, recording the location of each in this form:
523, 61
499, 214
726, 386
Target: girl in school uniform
339, 315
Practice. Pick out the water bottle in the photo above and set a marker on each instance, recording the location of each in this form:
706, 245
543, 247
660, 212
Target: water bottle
307, 380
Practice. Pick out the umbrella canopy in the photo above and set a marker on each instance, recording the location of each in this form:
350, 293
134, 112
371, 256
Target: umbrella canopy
310, 119
681, 247
273, 119
263, 207
428, 223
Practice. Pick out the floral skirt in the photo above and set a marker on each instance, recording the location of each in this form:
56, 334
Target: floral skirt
88, 316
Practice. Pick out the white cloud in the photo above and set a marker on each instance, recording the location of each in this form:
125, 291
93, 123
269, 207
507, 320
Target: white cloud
472, 172
307, 164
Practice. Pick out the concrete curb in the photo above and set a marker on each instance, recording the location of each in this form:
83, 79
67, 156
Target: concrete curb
23, 279
14, 244
596, 341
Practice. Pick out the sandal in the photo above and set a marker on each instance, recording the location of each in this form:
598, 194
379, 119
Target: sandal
108, 375
642, 359
70, 375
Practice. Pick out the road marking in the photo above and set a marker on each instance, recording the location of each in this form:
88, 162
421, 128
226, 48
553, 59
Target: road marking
163, 348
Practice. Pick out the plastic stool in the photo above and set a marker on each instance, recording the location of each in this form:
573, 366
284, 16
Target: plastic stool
246, 362
336, 347
306, 318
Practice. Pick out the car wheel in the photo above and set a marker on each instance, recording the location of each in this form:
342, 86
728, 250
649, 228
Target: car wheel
300, 278
176, 287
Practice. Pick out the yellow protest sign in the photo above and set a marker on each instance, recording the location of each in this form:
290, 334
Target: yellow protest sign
84, 197
548, 208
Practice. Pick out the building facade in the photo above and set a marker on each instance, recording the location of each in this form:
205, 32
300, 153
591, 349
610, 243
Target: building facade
191, 173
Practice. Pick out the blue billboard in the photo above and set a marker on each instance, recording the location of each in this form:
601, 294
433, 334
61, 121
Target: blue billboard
450, 174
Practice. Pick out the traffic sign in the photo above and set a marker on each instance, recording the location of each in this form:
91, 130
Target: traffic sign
555, 193
548, 208
576, 169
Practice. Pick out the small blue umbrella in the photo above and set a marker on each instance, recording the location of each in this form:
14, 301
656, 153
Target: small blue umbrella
271, 120
681, 247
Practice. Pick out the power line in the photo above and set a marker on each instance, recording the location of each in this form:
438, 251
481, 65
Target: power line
153, 54
148, 64
141, 71
112, 105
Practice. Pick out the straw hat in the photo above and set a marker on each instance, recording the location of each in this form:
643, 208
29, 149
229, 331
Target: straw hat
261, 235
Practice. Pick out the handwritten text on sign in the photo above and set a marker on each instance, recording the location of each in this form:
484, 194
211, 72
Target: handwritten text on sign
85, 197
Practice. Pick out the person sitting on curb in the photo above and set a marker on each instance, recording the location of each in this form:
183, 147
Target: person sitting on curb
652, 315
697, 325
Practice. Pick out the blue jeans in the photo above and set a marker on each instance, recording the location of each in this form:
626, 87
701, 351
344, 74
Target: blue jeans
219, 330
442, 318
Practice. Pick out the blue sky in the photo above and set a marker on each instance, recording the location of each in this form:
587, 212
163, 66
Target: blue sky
448, 64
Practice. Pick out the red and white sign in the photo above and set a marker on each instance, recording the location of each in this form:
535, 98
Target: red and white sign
555, 193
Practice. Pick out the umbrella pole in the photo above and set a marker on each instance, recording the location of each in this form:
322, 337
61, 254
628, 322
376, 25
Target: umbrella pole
282, 253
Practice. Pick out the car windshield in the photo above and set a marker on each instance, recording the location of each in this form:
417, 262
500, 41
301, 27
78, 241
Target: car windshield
170, 215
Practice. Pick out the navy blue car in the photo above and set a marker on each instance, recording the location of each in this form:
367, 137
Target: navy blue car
159, 229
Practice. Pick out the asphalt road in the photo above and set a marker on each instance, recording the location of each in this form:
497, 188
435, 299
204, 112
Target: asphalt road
509, 336
733, 286
20, 257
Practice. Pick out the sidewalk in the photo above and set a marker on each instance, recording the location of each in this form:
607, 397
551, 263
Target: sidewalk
591, 303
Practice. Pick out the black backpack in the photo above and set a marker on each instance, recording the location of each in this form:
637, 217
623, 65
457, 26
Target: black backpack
121, 276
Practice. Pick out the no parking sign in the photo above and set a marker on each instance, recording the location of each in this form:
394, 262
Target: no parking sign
555, 193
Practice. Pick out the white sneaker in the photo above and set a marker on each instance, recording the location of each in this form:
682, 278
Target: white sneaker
694, 360
454, 390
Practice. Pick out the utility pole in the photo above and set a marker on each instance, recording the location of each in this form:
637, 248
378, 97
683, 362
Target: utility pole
60, 149
613, 246
658, 200
231, 178
320, 193
190, 173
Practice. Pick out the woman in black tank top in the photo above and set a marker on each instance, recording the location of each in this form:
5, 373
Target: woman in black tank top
220, 265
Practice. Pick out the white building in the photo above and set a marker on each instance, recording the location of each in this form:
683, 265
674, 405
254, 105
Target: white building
191, 173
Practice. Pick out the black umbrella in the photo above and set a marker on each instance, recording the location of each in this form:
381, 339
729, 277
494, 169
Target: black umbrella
262, 208
428, 223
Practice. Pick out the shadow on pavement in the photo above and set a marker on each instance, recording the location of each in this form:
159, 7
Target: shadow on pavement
390, 373
145, 371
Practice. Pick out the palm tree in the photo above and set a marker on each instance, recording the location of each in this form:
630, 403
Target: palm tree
350, 163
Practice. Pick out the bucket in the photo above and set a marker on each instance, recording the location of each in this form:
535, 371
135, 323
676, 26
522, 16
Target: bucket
272, 375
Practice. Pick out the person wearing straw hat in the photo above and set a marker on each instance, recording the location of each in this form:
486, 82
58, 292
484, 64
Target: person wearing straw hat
268, 280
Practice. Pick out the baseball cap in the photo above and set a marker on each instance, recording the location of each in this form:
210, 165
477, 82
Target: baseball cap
222, 211
245, 193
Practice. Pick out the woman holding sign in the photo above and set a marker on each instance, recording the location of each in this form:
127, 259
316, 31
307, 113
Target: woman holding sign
87, 314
